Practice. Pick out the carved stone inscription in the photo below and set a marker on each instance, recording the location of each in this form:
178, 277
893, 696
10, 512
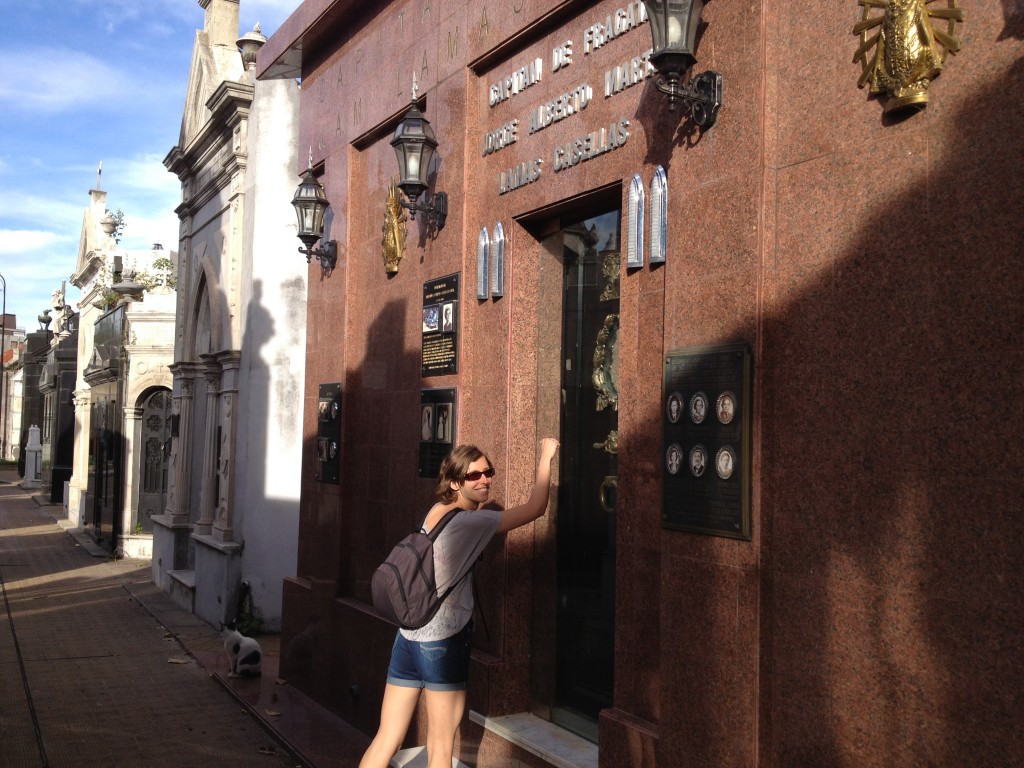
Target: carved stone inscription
706, 450
593, 142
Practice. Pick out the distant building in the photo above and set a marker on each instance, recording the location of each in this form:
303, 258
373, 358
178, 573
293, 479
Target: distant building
122, 395
238, 359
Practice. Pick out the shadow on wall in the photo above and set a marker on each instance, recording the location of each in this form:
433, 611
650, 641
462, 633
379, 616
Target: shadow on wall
889, 525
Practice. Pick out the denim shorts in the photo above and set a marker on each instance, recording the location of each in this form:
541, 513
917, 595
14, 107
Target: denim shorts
437, 665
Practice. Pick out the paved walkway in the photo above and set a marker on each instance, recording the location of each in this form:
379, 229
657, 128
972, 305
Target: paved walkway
99, 668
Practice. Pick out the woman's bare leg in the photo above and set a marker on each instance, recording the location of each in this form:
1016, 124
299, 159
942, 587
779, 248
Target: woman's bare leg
395, 715
444, 714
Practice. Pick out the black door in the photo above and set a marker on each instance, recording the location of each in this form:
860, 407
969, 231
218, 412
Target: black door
587, 488
106, 464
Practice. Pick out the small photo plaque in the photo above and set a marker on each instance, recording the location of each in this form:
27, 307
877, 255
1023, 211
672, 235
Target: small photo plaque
437, 428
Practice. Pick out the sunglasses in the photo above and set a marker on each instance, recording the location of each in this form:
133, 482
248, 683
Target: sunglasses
477, 474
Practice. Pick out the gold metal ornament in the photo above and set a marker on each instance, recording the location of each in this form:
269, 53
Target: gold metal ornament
610, 273
606, 368
394, 228
906, 52
610, 444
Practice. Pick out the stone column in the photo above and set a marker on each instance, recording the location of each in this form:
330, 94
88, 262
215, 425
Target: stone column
209, 492
132, 454
181, 456
78, 487
223, 527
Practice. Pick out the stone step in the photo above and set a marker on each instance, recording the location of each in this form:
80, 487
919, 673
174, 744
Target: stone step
416, 757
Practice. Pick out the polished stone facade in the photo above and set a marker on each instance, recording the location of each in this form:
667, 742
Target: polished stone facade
866, 260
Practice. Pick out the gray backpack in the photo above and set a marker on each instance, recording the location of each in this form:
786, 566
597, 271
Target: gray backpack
403, 586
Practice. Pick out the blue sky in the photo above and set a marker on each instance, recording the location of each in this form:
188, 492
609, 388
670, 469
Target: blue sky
85, 82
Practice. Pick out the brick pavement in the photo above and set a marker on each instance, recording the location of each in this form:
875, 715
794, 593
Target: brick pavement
98, 668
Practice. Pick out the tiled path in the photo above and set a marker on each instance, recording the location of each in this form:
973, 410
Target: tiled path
99, 668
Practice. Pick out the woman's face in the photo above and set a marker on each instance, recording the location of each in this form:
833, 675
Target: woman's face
473, 493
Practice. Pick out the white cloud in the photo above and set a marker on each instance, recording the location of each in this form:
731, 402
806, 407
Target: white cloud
26, 242
53, 80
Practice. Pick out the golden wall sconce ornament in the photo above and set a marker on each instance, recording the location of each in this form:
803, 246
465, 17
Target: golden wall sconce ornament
311, 204
903, 47
394, 228
674, 25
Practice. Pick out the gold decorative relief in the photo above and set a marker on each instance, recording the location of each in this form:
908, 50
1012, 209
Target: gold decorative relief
394, 229
901, 49
606, 364
611, 443
610, 272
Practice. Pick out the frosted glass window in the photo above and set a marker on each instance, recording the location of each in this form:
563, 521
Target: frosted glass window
635, 223
659, 214
498, 261
483, 246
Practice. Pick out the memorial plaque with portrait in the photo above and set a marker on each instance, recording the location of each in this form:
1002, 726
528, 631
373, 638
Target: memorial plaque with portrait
706, 448
440, 327
436, 428
328, 433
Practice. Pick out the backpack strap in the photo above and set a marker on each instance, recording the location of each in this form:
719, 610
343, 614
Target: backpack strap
448, 517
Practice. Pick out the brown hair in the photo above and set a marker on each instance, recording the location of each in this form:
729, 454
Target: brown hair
454, 469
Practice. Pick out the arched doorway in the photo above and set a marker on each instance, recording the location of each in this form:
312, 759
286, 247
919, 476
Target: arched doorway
154, 458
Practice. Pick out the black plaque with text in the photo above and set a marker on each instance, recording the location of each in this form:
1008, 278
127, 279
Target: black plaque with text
706, 451
440, 355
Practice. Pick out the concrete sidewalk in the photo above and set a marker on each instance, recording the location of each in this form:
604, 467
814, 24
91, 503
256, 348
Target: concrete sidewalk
100, 668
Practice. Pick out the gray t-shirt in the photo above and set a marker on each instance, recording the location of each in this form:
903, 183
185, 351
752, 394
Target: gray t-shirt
456, 550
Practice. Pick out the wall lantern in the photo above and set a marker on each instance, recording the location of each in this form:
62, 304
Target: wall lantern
674, 30
310, 203
414, 144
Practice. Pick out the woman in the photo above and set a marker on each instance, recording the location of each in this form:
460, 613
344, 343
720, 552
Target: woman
435, 657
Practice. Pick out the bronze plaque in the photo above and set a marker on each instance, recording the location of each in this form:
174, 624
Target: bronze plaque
440, 352
706, 450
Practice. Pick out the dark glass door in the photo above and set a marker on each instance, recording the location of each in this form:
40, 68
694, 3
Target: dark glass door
587, 489
155, 456
107, 469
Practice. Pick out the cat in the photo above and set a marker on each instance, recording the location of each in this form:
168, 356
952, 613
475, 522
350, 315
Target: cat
244, 653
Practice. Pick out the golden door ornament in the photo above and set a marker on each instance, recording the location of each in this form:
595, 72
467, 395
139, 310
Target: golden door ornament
605, 376
394, 229
908, 50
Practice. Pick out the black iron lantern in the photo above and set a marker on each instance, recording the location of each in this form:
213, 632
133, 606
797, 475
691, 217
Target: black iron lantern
311, 204
414, 144
674, 26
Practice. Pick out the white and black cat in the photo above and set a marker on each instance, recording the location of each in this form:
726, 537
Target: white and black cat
244, 653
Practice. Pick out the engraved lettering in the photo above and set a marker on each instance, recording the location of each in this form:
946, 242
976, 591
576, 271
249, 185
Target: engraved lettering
622, 21
628, 74
561, 56
565, 105
453, 43
516, 82
594, 144
501, 138
519, 175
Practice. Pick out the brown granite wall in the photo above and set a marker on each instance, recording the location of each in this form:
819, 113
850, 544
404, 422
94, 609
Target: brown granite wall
874, 617
891, 463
